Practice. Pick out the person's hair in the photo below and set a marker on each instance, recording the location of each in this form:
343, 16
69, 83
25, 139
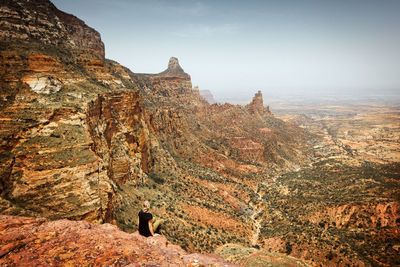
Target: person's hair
146, 206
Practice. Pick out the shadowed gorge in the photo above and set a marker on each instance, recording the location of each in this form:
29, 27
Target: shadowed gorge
84, 141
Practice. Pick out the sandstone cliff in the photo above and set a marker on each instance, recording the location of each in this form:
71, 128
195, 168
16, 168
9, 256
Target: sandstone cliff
39, 24
84, 138
116, 123
52, 66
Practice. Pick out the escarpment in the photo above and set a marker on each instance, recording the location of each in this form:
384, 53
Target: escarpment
48, 166
39, 24
84, 138
52, 66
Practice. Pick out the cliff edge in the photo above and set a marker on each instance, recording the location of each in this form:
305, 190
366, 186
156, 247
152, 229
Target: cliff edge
37, 242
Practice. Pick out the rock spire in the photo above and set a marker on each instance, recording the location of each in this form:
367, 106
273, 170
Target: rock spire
174, 68
256, 106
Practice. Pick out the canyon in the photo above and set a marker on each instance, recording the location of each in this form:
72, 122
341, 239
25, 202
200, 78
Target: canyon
84, 141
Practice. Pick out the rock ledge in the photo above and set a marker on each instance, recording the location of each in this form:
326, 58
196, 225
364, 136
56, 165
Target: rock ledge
37, 242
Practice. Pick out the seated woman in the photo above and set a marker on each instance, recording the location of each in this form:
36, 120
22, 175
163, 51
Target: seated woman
146, 226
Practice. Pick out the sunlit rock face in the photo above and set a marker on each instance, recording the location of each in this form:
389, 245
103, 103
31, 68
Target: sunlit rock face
48, 167
121, 137
48, 49
83, 138
52, 66
29, 241
40, 23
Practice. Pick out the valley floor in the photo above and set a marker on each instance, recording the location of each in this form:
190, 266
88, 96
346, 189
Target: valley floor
344, 207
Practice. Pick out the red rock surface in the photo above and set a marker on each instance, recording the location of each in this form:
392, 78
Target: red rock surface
120, 134
36, 242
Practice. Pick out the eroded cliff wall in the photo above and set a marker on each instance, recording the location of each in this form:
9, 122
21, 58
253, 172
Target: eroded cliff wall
52, 72
84, 138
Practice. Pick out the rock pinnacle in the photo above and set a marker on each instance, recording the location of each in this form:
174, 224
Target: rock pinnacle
257, 105
174, 68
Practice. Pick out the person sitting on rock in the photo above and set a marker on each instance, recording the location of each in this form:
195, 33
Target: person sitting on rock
146, 226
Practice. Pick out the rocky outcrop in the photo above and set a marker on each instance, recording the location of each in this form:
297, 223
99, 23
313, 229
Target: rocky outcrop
48, 165
116, 122
28, 241
174, 69
256, 106
173, 81
40, 23
50, 50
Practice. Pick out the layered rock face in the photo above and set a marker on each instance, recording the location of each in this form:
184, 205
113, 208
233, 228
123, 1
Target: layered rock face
40, 23
50, 50
49, 168
52, 66
84, 138
63, 162
116, 123
173, 81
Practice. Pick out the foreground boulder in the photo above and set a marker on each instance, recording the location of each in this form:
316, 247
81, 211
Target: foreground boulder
37, 242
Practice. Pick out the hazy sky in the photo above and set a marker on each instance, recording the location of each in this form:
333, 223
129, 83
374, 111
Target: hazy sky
238, 47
